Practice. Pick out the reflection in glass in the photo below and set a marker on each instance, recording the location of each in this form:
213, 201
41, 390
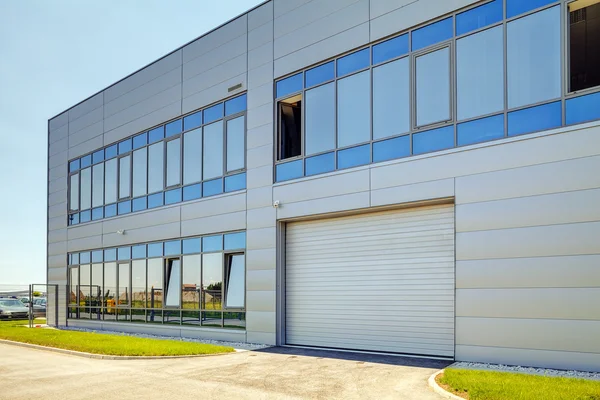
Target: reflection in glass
74, 194
391, 99
533, 58
480, 73
140, 172
236, 272
433, 87
191, 287
124, 284
86, 188
155, 168
138, 283
234, 320
110, 181
433, 33
124, 177
96, 290
154, 285
212, 281
213, 150
110, 290
172, 282
98, 185
235, 144
73, 284
174, 162
354, 109
192, 156
84, 291
320, 119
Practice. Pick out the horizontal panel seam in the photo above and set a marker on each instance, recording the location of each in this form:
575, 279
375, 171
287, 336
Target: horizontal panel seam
245, 32
156, 95
521, 348
142, 116
244, 74
593, 221
86, 126
218, 66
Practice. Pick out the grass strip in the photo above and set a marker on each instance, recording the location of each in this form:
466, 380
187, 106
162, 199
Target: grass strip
100, 343
488, 385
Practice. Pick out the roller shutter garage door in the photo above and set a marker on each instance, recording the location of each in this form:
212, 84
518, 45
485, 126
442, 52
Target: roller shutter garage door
381, 282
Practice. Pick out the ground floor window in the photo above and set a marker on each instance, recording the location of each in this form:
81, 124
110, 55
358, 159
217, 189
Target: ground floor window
197, 281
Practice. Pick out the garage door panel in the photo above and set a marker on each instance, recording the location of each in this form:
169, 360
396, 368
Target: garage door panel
382, 281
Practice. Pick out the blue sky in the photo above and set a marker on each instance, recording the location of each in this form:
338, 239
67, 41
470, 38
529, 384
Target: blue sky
54, 54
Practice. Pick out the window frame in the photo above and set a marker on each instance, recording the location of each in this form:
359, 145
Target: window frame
228, 255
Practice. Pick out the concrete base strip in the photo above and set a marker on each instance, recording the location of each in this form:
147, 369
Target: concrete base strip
103, 356
439, 390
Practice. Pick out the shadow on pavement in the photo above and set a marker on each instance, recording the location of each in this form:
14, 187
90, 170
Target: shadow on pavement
359, 357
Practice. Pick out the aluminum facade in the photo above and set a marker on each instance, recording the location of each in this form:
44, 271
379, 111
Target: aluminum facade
527, 221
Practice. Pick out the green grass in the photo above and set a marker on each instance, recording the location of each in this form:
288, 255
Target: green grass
491, 385
99, 343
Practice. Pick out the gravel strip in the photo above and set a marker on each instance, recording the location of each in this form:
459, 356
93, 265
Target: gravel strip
235, 345
528, 370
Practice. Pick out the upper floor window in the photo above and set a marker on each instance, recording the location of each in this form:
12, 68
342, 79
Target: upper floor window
584, 44
199, 155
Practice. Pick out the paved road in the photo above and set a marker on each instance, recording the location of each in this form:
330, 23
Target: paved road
277, 373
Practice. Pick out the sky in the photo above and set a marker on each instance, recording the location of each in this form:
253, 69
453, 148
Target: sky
53, 54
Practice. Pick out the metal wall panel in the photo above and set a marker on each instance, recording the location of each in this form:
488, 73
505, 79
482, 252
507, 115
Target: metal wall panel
380, 281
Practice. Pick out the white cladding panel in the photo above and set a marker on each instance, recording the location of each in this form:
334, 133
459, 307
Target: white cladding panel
381, 281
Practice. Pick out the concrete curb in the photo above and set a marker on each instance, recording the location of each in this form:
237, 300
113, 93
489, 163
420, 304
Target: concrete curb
104, 356
438, 389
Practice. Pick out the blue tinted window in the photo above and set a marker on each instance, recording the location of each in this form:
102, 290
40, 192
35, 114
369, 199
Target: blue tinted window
84, 258
353, 62
86, 161
480, 130
433, 140
535, 119
516, 7
85, 216
125, 146
289, 85
390, 49
155, 249
235, 241
287, 171
124, 253
319, 74
110, 152
584, 108
191, 246
192, 192
139, 204
110, 211
74, 165
173, 247
235, 105
73, 219
212, 188
155, 200
214, 113
432, 34
390, 149
97, 256
110, 255
320, 164
212, 243
138, 251
479, 17
235, 182
355, 156
173, 128
75, 258
173, 196
192, 121
98, 156
140, 140
156, 134
124, 207
97, 213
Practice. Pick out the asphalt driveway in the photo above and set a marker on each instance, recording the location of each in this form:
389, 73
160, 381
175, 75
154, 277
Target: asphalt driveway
276, 373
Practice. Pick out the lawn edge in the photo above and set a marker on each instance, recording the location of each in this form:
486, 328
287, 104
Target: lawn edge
439, 390
104, 356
